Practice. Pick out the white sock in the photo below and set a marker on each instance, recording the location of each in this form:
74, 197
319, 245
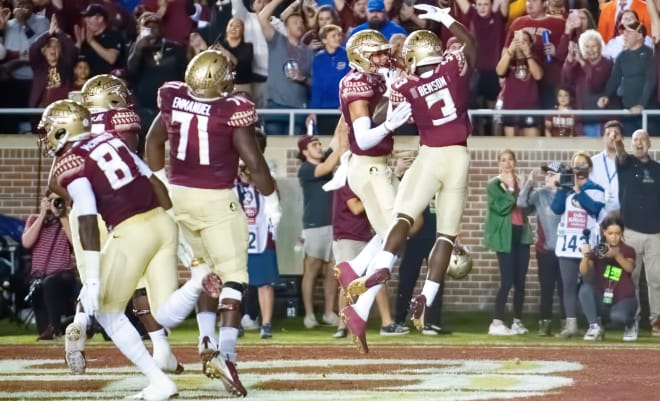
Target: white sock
361, 261
159, 342
382, 259
228, 338
366, 301
430, 290
178, 306
206, 324
81, 319
128, 341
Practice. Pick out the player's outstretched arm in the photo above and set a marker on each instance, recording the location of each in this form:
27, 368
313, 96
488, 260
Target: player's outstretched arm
245, 144
154, 151
463, 35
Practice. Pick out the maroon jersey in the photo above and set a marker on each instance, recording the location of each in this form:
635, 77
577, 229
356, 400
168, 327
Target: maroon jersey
345, 224
120, 189
202, 153
439, 102
123, 122
370, 87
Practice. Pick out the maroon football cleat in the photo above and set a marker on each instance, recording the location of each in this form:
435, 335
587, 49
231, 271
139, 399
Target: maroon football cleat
357, 327
345, 274
361, 285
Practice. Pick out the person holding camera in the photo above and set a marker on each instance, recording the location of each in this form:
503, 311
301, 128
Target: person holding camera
607, 292
52, 275
579, 202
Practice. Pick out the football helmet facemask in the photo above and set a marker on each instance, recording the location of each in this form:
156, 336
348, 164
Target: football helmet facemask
361, 46
62, 121
106, 92
421, 48
460, 262
209, 75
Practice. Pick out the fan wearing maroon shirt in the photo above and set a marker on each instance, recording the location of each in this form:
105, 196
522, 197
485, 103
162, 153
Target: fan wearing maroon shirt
535, 23
438, 91
208, 130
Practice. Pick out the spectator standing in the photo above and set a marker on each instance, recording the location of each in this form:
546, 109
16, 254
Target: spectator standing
607, 293
101, 45
508, 233
352, 13
255, 35
563, 123
539, 201
615, 46
539, 23
377, 19
586, 70
577, 22
604, 171
328, 68
153, 60
80, 74
315, 171
48, 236
579, 202
20, 32
639, 194
521, 72
262, 260
243, 51
52, 57
176, 16
196, 44
633, 77
289, 67
325, 15
611, 14
487, 22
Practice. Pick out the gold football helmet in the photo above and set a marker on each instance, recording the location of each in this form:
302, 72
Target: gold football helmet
362, 45
421, 48
63, 121
210, 74
106, 92
460, 263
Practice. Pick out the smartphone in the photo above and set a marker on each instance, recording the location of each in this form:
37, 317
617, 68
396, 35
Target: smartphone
518, 35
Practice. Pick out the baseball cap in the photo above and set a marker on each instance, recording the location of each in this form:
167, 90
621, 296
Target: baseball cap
635, 26
303, 142
553, 166
376, 5
95, 9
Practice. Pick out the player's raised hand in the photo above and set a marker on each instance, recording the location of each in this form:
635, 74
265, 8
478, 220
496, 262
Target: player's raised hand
432, 12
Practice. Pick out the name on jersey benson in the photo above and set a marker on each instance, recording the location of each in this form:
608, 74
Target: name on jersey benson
432, 86
191, 106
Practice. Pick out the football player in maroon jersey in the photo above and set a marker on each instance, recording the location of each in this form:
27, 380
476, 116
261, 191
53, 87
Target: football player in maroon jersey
107, 99
361, 94
208, 129
437, 87
103, 176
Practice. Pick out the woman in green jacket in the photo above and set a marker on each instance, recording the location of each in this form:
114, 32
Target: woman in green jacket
508, 234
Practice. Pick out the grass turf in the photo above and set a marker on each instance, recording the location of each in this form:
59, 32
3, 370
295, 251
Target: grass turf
469, 329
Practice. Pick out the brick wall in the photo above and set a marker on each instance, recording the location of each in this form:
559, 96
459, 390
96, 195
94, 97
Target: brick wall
22, 182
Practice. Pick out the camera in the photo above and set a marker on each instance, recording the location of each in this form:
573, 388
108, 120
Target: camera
600, 250
567, 175
58, 203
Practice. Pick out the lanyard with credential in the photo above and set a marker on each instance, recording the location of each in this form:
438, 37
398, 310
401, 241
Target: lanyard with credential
607, 170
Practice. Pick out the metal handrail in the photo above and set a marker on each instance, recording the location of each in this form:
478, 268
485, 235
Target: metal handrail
292, 113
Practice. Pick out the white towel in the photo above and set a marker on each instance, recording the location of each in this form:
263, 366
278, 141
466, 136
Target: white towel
341, 174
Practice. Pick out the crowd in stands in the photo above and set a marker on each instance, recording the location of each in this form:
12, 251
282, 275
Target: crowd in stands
535, 54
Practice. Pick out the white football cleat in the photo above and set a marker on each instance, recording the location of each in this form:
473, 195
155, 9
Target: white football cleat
74, 348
